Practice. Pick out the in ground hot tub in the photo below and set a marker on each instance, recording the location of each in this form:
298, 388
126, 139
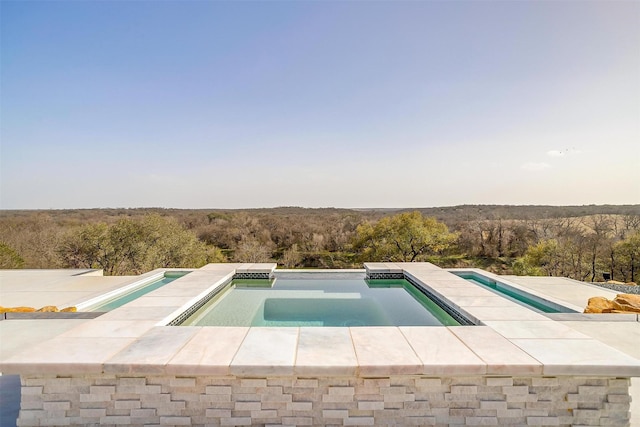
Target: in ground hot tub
308, 301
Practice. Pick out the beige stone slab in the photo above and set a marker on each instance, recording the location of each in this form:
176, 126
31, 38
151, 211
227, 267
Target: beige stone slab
183, 289
421, 266
382, 267
209, 352
561, 289
533, 329
325, 351
384, 351
138, 313
484, 301
376, 266
501, 356
447, 283
151, 352
392, 267
151, 301
441, 352
65, 355
219, 267
262, 267
427, 275
625, 336
200, 275
36, 290
81, 284
473, 291
580, 357
266, 351
504, 313
38, 299
204, 277
111, 328
18, 335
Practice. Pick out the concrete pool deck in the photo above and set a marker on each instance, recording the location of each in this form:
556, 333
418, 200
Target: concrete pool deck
62, 288
133, 340
563, 289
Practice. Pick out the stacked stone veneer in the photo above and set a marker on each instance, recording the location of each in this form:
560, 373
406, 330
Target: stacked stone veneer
202, 401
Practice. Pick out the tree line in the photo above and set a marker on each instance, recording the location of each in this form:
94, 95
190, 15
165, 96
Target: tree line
582, 242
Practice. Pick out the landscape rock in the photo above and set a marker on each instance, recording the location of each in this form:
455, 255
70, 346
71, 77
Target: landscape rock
622, 303
599, 305
45, 309
48, 309
17, 309
628, 302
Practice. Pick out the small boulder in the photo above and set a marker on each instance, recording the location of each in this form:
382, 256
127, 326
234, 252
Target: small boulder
18, 310
622, 303
599, 305
48, 309
628, 302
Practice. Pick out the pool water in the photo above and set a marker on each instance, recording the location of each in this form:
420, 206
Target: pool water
320, 302
137, 292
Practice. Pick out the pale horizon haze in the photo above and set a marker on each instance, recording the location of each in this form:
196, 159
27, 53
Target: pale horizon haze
220, 104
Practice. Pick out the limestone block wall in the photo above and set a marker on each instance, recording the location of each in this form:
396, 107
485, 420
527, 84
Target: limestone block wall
338, 401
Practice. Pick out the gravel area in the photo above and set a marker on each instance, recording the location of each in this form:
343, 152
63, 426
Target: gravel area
623, 289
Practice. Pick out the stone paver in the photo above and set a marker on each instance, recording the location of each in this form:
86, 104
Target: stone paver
209, 352
18, 335
266, 351
533, 329
38, 289
323, 351
441, 352
65, 355
151, 352
500, 354
384, 351
579, 357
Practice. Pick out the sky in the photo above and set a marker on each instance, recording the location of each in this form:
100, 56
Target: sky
220, 104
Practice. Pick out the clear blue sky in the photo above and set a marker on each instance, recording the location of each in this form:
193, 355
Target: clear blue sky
204, 104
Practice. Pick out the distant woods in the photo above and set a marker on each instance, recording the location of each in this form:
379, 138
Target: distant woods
582, 242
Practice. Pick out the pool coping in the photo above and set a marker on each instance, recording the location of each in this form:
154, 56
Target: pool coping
509, 339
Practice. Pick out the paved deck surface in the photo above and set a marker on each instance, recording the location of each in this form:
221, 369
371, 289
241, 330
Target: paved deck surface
38, 288
568, 290
62, 288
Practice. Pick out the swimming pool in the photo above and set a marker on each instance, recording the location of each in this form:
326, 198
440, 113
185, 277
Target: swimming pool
131, 292
320, 302
513, 294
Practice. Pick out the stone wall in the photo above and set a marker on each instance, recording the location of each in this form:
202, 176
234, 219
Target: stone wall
409, 400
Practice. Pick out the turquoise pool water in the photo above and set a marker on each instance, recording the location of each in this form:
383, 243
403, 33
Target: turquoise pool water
529, 301
320, 302
137, 292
